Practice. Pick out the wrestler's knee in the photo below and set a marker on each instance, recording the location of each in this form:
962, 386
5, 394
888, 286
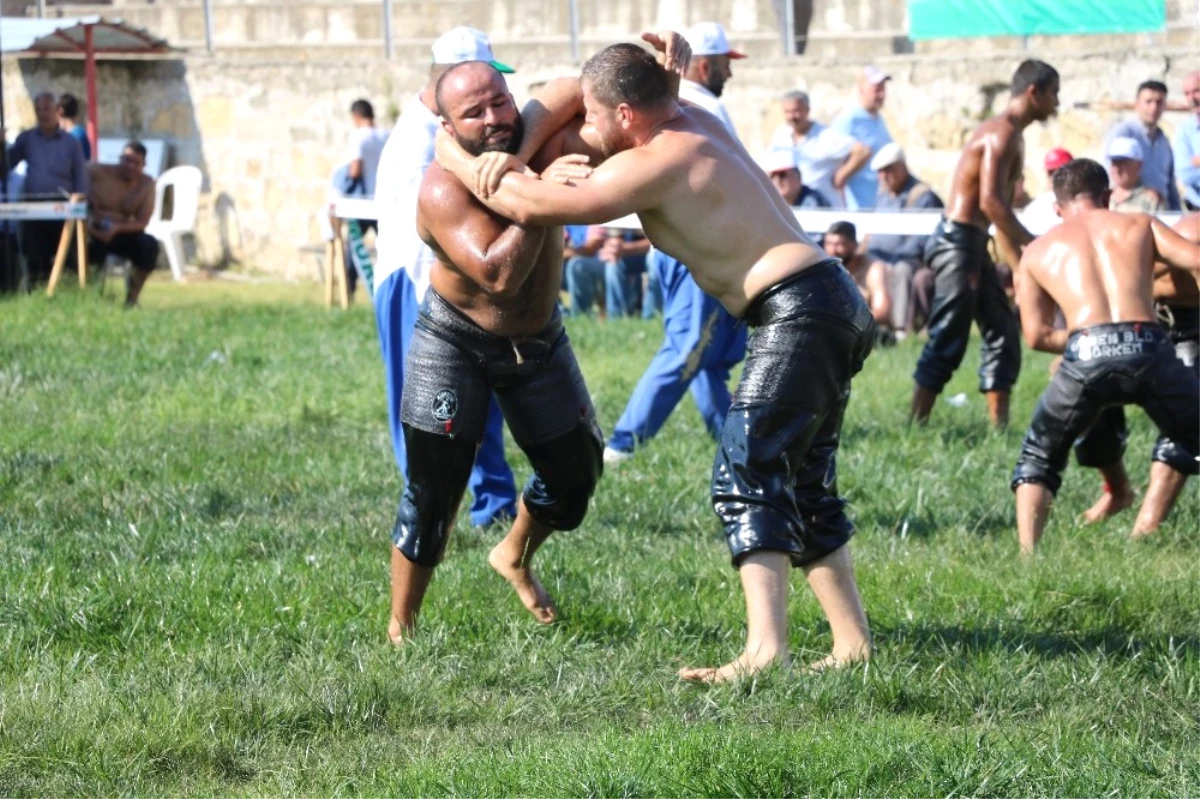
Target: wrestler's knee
567, 470
438, 467
1176, 455
1032, 467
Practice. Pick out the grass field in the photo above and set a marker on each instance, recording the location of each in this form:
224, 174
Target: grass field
195, 508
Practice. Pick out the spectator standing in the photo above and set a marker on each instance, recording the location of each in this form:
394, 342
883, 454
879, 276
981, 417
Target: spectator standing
1129, 193
1158, 162
404, 262
55, 170
780, 166
863, 122
68, 120
903, 257
122, 201
703, 341
1187, 145
825, 157
362, 157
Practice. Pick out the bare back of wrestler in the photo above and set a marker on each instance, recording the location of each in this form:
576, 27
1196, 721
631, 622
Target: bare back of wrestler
1177, 304
702, 199
1098, 267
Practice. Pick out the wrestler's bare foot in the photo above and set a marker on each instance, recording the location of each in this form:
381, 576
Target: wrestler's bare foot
749, 663
529, 590
397, 632
839, 660
1110, 504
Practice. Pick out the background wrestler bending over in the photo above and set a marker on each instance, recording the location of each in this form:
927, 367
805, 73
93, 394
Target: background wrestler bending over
702, 199
1098, 268
1102, 447
489, 323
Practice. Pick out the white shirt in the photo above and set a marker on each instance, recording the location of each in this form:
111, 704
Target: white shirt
366, 145
819, 155
696, 94
406, 156
1040, 207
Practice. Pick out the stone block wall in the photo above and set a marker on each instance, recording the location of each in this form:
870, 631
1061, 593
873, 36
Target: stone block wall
268, 131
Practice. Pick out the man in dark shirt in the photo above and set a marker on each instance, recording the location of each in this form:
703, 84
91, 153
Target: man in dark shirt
55, 170
910, 281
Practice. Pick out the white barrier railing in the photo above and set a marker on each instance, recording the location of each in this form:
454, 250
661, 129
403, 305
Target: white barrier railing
899, 223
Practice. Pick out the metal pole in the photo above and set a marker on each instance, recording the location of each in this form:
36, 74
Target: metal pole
789, 27
209, 45
389, 45
573, 9
41, 9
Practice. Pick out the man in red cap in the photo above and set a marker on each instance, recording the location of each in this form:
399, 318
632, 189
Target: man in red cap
1043, 204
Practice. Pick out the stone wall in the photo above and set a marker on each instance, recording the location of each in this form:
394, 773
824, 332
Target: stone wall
268, 133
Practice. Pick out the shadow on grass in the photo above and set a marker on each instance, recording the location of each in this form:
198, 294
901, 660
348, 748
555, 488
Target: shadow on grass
1109, 641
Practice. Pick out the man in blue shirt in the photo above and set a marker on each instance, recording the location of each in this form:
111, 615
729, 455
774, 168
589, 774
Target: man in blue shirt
55, 170
863, 122
1158, 164
1187, 145
68, 120
904, 256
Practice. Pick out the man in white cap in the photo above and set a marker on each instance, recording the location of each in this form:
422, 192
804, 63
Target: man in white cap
402, 273
1125, 156
863, 122
703, 341
781, 168
902, 255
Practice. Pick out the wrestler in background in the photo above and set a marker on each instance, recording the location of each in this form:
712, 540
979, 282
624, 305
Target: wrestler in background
1098, 268
966, 285
1177, 302
122, 202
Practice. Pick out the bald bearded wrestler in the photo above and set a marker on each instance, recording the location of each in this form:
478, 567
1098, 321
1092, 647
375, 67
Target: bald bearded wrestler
1177, 301
1098, 268
701, 198
489, 325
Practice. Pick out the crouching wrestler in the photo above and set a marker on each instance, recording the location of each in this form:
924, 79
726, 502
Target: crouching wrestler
489, 324
1098, 268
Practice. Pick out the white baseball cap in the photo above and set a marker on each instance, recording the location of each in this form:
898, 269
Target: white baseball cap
1124, 149
465, 44
874, 75
708, 38
778, 161
888, 154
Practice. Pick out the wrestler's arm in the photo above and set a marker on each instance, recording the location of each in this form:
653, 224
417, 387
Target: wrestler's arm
551, 108
1038, 309
496, 254
560, 101
1174, 249
995, 165
881, 301
627, 183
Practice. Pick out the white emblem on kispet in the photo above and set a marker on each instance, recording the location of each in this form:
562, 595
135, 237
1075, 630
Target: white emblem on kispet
445, 405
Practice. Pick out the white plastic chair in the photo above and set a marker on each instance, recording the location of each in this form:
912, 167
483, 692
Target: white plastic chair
186, 181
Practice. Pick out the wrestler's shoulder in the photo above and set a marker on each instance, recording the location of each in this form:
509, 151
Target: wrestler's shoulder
440, 187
